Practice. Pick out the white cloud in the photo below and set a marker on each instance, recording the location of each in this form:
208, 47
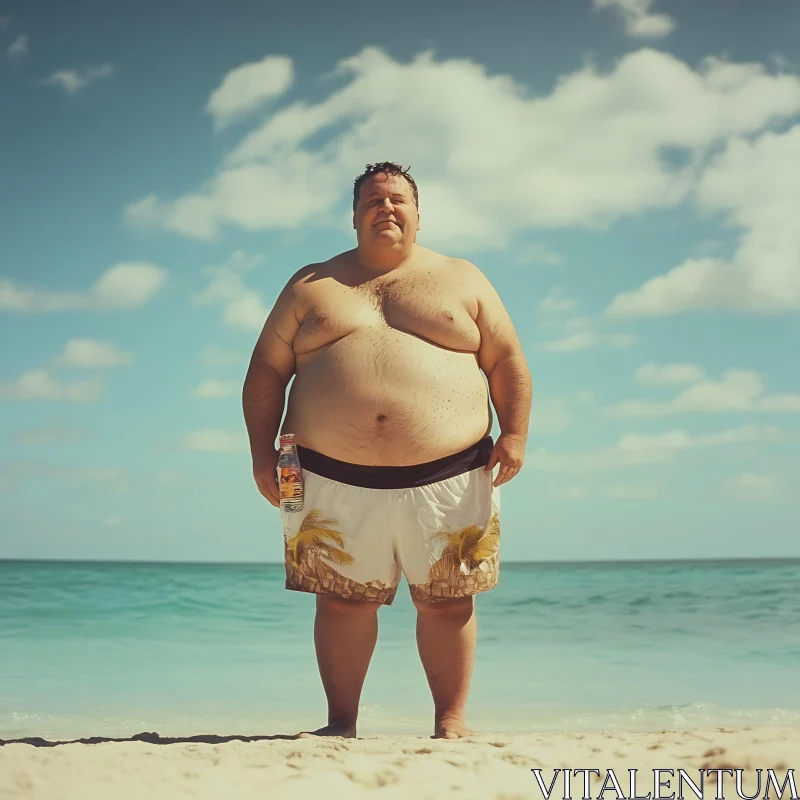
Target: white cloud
116, 480
143, 212
550, 416
538, 253
669, 374
739, 390
753, 480
639, 20
581, 333
192, 216
18, 49
679, 440
582, 340
248, 87
38, 384
784, 64
123, 286
242, 307
707, 247
632, 491
214, 356
216, 441
757, 191
557, 301
494, 160
572, 342
48, 435
127, 285
73, 80
755, 486
92, 354
633, 450
213, 388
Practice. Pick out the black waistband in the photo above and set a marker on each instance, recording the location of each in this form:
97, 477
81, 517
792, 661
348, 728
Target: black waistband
396, 477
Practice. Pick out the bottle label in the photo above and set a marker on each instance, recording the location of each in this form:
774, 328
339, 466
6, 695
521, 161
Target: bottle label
290, 475
287, 443
290, 480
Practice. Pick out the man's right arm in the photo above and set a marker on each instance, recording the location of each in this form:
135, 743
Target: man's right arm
272, 365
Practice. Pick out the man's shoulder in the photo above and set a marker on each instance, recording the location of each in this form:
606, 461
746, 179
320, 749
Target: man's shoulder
454, 263
467, 271
318, 270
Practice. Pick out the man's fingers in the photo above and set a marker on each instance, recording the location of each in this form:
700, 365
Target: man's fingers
268, 495
493, 459
502, 476
275, 495
269, 489
506, 473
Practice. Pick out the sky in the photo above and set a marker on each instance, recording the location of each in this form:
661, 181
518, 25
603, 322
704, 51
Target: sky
625, 172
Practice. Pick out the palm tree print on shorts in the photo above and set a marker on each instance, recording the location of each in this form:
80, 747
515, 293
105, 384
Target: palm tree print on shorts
469, 563
309, 555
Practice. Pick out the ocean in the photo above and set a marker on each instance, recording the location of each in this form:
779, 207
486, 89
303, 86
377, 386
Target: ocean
119, 648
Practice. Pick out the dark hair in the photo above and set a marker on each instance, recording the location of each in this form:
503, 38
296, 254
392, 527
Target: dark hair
386, 168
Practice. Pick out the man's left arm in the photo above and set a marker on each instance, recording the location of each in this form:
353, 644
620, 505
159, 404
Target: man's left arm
502, 360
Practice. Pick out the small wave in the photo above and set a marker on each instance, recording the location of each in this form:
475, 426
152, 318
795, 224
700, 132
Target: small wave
768, 592
534, 601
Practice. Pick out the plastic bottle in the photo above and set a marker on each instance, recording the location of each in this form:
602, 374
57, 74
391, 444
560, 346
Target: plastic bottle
290, 475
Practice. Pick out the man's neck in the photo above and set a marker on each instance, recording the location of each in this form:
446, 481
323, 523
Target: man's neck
383, 259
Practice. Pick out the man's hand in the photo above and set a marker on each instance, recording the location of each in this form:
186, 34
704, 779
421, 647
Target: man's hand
509, 453
265, 468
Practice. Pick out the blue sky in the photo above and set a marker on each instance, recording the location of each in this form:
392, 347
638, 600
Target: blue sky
624, 171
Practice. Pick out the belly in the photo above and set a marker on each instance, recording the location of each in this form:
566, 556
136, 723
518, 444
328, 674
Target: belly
383, 397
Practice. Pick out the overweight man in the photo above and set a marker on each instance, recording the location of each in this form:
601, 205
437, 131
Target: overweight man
388, 344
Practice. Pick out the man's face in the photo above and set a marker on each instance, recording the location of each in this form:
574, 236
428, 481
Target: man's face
386, 210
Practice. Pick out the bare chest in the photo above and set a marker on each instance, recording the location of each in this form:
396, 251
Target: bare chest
432, 307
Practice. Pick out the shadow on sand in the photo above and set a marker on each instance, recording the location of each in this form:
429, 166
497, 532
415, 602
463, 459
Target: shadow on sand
150, 738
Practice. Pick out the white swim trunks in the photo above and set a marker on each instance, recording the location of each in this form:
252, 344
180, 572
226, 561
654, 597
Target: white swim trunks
361, 526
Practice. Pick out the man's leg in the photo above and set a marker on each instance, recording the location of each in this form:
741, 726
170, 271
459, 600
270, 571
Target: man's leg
345, 632
446, 635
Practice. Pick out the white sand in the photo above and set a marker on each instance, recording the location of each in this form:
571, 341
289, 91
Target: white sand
483, 766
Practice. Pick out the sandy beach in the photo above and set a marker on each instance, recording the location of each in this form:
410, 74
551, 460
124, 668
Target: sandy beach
483, 766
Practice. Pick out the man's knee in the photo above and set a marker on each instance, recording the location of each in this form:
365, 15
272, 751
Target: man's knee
332, 604
456, 608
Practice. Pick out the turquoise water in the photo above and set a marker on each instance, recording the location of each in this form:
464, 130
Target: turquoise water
114, 649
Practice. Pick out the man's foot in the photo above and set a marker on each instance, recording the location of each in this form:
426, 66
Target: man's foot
451, 728
345, 731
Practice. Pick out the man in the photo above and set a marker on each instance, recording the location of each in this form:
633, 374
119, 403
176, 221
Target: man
387, 344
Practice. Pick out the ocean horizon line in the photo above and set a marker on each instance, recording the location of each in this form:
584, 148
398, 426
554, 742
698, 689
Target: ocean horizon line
510, 562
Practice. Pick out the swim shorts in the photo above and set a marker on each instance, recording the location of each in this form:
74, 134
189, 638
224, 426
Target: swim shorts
361, 526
